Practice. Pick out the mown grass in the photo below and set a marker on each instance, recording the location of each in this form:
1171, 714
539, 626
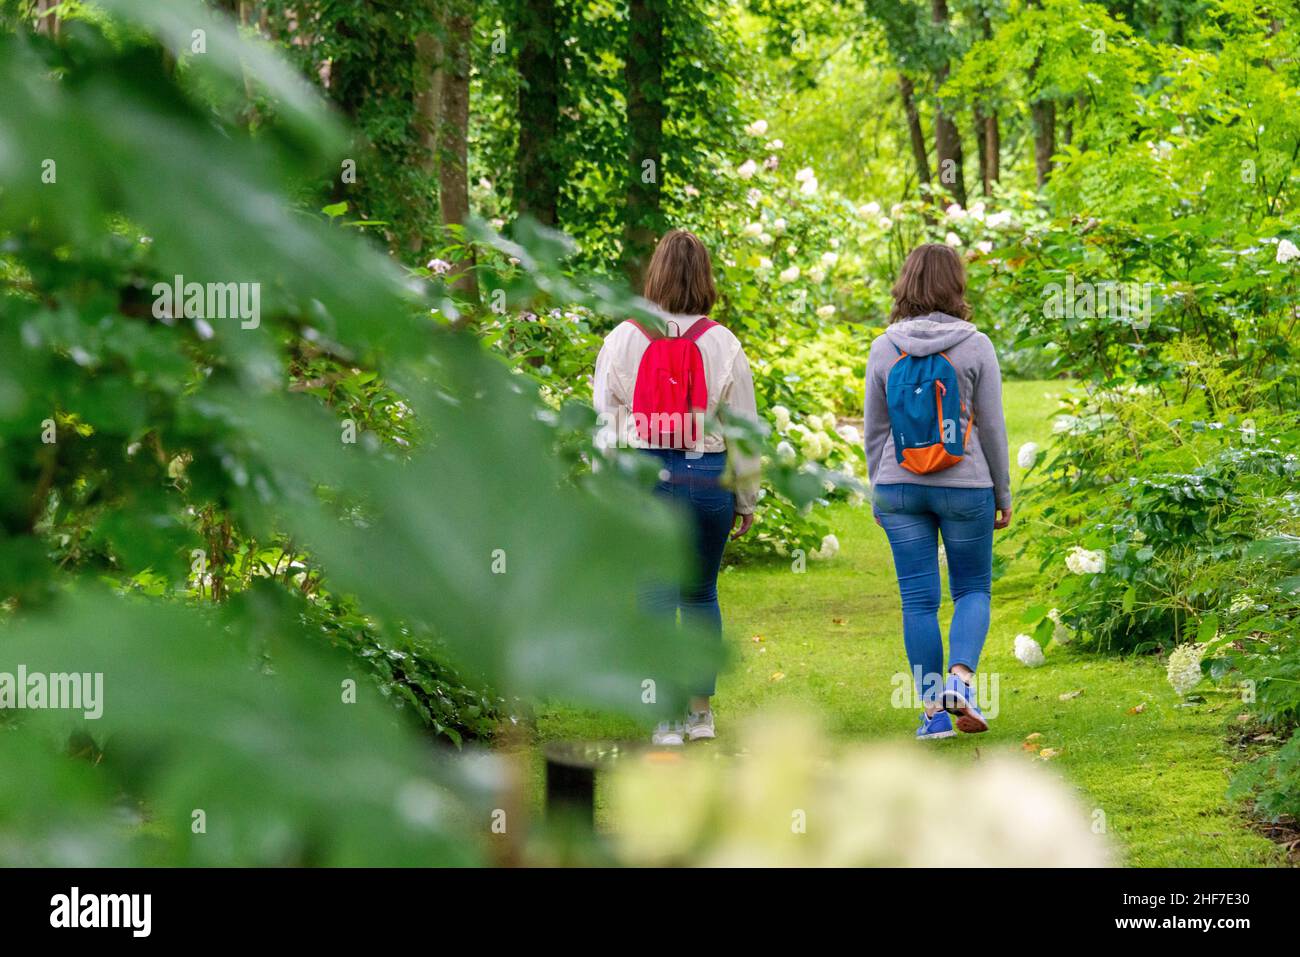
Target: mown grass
1154, 767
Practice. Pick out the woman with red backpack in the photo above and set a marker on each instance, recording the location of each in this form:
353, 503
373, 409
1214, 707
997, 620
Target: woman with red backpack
659, 387
936, 445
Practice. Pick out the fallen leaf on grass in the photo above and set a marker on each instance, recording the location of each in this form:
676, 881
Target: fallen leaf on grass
1243, 718
1071, 694
757, 638
777, 676
1137, 709
838, 621
1048, 753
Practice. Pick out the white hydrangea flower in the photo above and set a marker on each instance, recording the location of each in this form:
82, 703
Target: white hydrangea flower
1184, 669
753, 230
1027, 455
439, 267
955, 212
781, 416
850, 434
1061, 633
804, 174
1081, 561
747, 169
764, 263
826, 311
785, 452
885, 223
829, 549
1287, 251
809, 187
977, 210
814, 422
765, 239
998, 220
776, 145
984, 246
778, 227
757, 128
1029, 652
790, 274
869, 210
816, 445
754, 196
830, 259
952, 239
817, 274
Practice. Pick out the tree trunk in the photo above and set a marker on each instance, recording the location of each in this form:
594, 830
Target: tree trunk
947, 139
990, 159
646, 109
537, 172
428, 102
992, 152
453, 140
47, 17
1044, 116
907, 92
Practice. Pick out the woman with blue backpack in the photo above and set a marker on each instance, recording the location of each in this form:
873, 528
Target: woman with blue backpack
657, 390
936, 444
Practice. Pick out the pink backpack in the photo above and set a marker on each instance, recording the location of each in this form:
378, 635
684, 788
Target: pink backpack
671, 394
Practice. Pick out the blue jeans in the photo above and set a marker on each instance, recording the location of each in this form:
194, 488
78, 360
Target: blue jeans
913, 517
692, 482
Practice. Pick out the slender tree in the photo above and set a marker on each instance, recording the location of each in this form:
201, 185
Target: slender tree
453, 135
646, 109
904, 37
947, 138
1042, 110
988, 133
537, 166
915, 133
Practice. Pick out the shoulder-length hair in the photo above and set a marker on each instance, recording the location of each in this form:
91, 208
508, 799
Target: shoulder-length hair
680, 275
933, 279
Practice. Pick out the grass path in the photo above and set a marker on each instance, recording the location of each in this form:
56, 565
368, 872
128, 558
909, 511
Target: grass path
834, 633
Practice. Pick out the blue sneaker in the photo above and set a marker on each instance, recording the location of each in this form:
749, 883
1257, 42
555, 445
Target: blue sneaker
938, 725
959, 700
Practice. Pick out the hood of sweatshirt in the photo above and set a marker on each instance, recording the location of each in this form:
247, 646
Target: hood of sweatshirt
928, 334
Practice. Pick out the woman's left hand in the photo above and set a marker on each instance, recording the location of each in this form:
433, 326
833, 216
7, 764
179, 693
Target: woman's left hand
745, 522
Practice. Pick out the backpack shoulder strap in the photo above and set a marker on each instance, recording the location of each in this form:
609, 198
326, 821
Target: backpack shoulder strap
645, 332
699, 328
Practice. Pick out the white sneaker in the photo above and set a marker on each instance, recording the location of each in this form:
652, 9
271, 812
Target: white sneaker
668, 734
699, 725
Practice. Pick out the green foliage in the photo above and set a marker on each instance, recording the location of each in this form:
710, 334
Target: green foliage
156, 464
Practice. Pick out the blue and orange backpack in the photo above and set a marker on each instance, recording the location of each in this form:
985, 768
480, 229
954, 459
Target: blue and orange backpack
925, 410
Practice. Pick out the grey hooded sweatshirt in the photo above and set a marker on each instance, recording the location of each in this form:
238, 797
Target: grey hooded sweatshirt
985, 464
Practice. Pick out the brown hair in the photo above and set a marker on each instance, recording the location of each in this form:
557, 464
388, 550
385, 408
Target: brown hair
932, 280
680, 275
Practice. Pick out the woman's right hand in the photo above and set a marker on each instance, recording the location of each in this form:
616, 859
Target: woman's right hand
1003, 518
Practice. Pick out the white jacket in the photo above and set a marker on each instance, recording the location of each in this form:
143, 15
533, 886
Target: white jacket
726, 373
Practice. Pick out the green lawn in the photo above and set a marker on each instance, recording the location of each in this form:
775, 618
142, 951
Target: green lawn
834, 633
